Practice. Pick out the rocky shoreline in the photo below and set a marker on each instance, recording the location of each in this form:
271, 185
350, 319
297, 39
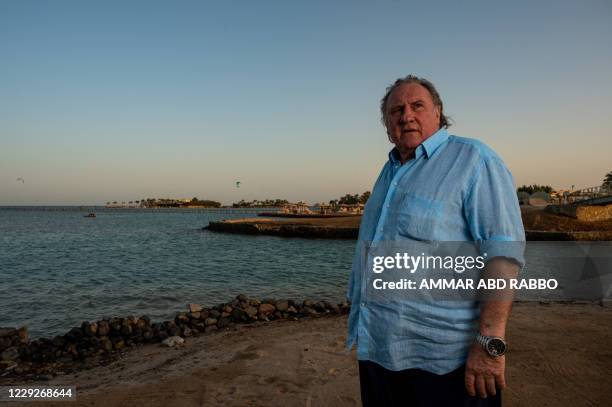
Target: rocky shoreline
100, 342
333, 228
304, 228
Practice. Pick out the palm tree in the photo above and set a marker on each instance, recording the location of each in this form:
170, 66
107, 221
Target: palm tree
607, 182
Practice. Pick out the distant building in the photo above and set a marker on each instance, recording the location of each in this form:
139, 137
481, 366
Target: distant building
296, 208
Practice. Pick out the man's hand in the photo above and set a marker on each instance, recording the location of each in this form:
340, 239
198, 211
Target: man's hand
483, 372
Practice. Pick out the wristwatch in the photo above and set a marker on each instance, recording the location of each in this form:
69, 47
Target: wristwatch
494, 345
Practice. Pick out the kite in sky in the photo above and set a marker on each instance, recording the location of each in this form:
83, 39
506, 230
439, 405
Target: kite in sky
238, 184
20, 179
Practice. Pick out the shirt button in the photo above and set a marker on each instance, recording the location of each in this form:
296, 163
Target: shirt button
363, 304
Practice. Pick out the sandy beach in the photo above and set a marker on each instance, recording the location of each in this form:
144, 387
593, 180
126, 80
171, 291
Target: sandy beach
559, 356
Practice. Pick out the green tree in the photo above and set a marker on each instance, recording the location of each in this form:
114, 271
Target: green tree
607, 181
364, 197
349, 199
530, 189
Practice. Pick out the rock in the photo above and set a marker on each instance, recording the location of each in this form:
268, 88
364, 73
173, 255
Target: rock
311, 312
214, 314
211, 328
210, 321
194, 315
23, 335
227, 309
118, 344
224, 322
225, 314
291, 310
181, 318
115, 324
174, 331
103, 328
59, 342
7, 332
74, 335
239, 315
265, 309
242, 298
173, 341
255, 302
194, 307
126, 330
11, 354
5, 343
203, 314
106, 344
89, 328
320, 307
307, 303
147, 334
187, 331
251, 312
141, 324
282, 305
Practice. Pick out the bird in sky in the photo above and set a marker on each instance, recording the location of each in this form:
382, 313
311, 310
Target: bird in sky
20, 179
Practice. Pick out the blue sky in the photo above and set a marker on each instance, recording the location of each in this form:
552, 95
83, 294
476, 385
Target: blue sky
122, 100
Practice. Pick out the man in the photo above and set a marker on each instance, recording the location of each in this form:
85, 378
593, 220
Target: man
441, 188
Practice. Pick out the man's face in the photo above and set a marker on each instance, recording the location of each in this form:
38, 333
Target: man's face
411, 117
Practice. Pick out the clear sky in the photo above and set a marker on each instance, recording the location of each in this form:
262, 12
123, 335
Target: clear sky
122, 100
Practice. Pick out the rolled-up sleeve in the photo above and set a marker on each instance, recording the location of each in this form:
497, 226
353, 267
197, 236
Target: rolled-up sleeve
493, 213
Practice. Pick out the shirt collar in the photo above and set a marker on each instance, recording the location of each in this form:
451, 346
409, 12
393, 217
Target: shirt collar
431, 145
427, 148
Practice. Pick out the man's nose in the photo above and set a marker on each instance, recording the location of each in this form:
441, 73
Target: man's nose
407, 116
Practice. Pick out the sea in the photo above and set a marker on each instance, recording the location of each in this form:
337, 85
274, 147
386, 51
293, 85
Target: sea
59, 268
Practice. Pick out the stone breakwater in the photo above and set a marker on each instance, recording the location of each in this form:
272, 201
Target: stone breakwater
344, 227
100, 342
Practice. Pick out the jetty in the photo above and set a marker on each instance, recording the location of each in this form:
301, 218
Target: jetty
540, 225
344, 227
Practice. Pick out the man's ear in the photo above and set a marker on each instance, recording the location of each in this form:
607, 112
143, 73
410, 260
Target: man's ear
389, 136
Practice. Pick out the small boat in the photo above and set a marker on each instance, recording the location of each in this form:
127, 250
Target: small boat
90, 215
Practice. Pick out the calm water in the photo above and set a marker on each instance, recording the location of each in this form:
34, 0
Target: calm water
58, 268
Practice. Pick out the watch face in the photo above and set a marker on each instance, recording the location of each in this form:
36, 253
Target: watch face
496, 347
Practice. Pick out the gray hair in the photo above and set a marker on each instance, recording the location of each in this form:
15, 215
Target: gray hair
435, 96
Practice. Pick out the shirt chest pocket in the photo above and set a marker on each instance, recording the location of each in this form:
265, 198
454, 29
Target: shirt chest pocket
420, 218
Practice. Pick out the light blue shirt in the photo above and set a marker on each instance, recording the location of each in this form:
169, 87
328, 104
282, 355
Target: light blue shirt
455, 189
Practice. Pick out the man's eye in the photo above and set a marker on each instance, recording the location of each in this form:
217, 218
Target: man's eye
418, 106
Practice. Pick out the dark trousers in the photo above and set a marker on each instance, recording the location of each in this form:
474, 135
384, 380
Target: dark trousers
414, 387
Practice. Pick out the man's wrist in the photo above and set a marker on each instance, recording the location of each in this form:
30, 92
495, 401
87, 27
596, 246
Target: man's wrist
495, 346
499, 332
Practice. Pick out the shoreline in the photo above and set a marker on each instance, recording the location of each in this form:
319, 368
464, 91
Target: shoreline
347, 227
102, 341
304, 362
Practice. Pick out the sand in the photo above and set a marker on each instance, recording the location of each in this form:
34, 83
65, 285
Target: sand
559, 355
